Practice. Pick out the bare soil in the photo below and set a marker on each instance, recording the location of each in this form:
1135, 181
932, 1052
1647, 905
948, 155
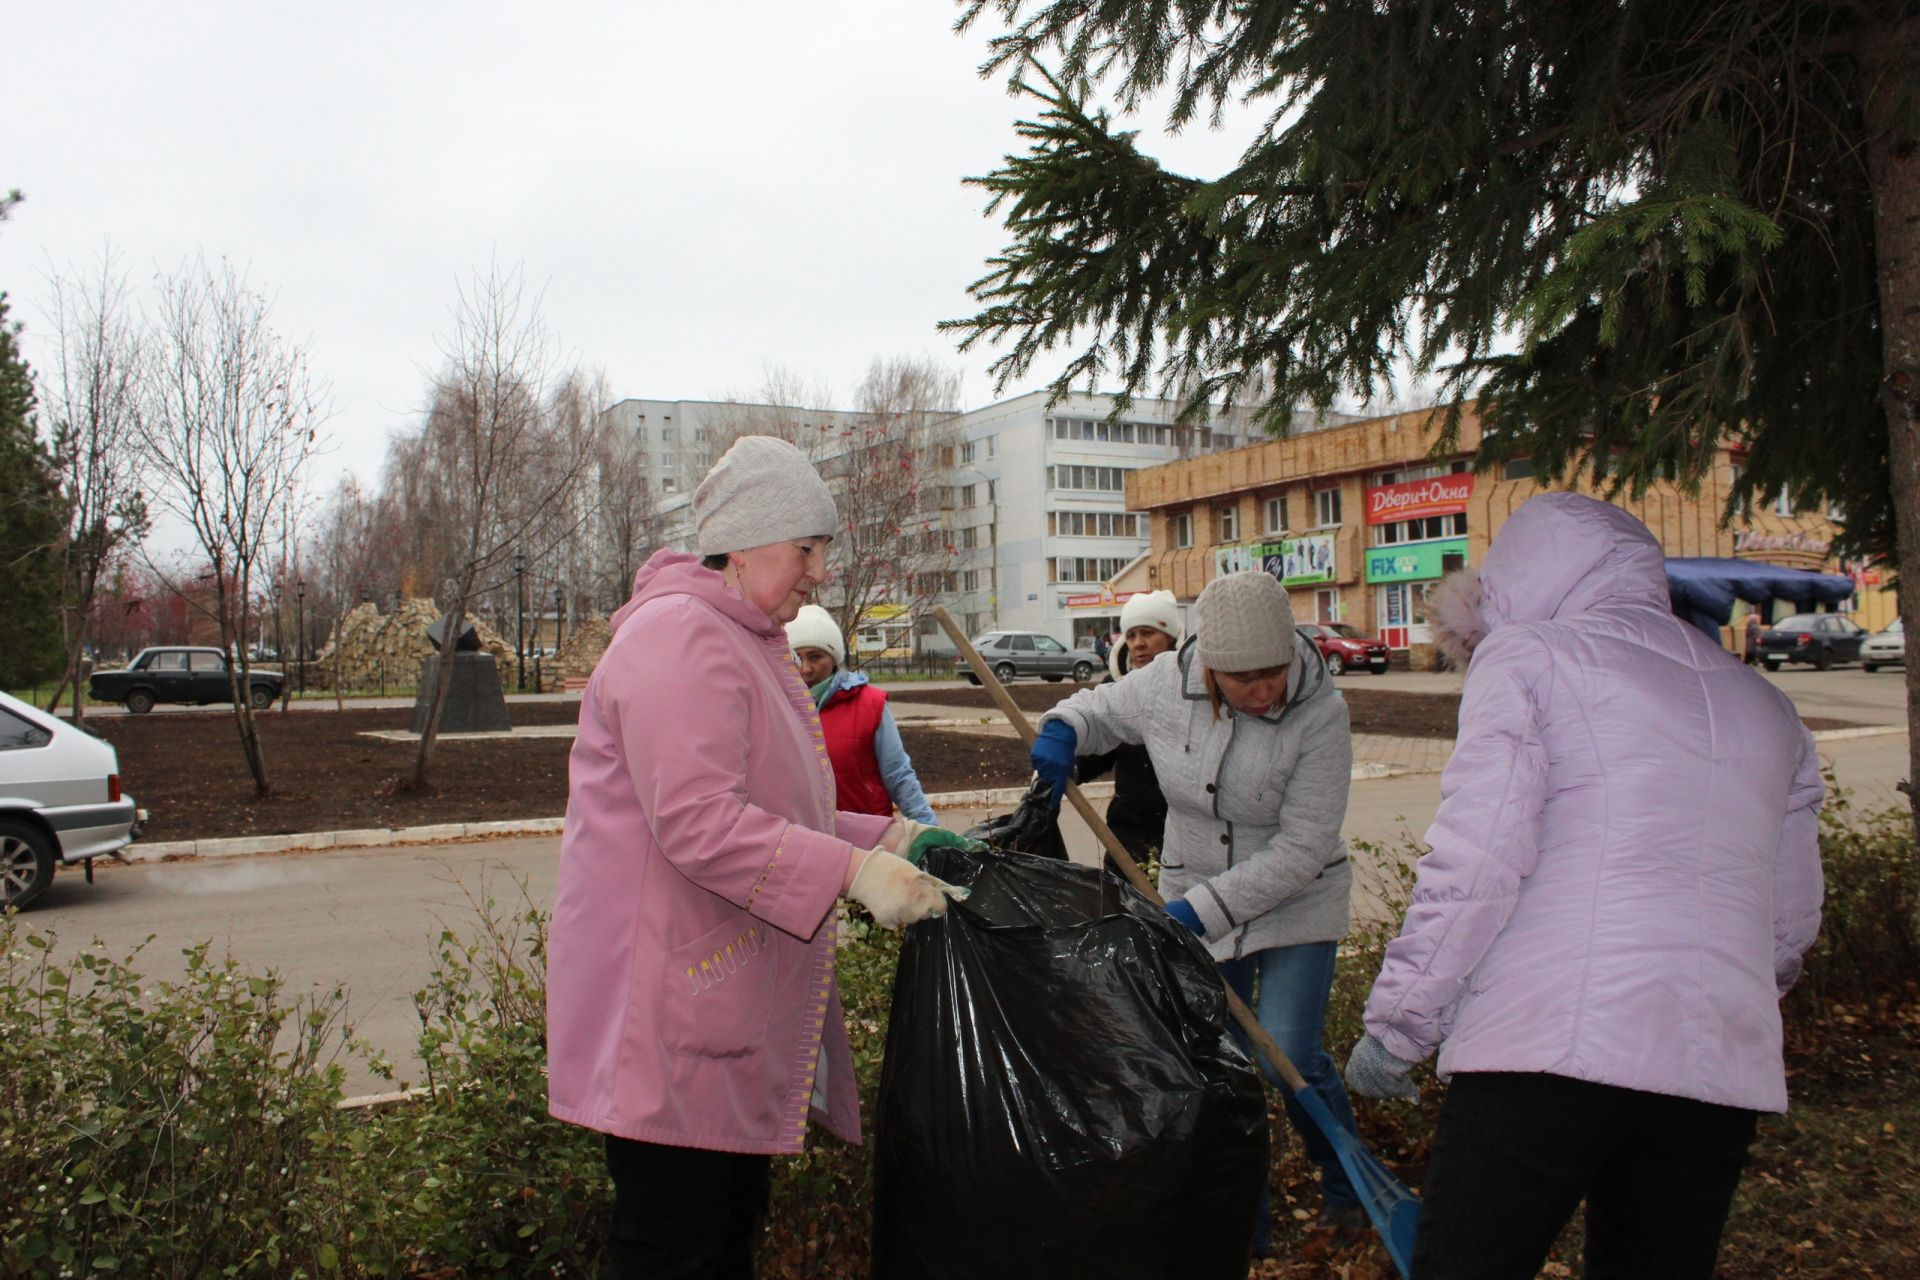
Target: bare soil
187, 771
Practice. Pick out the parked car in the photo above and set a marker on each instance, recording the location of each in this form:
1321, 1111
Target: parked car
60, 800
179, 674
1344, 648
1884, 648
1819, 638
1013, 654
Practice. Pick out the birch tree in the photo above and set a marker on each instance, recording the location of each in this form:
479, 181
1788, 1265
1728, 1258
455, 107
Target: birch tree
230, 419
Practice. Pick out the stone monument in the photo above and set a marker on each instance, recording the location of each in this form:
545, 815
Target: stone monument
475, 701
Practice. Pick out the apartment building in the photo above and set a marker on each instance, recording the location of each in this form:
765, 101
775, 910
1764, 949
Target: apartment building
1360, 519
1039, 517
676, 440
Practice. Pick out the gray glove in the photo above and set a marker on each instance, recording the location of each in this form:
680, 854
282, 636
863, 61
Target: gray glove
1373, 1072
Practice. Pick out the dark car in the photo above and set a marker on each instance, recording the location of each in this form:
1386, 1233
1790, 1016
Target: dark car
179, 674
1345, 649
1819, 638
1013, 654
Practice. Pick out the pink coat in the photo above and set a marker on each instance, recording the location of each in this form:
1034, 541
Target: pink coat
690, 962
1625, 867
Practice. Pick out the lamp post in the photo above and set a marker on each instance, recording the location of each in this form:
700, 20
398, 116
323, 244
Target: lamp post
559, 616
280, 622
300, 627
519, 620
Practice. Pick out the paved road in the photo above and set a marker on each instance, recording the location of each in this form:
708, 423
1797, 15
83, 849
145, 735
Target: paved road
368, 918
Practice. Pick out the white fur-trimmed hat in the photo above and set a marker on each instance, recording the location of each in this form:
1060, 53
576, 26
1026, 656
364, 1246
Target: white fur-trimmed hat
1245, 623
814, 628
762, 490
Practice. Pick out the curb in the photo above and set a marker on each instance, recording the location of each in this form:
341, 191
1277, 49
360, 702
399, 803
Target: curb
366, 838
1864, 731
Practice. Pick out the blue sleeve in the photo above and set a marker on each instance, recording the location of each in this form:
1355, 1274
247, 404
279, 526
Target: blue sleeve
896, 770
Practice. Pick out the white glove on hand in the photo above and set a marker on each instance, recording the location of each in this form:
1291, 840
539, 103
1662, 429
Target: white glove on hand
899, 893
900, 834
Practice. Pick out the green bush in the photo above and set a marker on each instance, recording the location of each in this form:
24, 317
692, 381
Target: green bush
183, 1130
1869, 941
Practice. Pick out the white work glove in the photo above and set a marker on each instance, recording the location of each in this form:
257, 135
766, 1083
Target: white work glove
897, 893
900, 833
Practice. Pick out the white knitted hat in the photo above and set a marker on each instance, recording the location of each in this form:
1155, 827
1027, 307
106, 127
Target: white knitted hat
762, 490
814, 628
1245, 622
1154, 609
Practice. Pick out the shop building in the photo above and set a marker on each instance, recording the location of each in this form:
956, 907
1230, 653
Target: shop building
1359, 520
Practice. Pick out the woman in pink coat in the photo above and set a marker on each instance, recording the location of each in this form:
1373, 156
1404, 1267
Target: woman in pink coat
1623, 874
692, 1014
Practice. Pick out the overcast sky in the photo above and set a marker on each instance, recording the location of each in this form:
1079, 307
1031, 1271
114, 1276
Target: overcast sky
703, 191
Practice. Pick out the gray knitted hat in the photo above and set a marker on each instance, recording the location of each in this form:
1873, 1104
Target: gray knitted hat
762, 490
1245, 623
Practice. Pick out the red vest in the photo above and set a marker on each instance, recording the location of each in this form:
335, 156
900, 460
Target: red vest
848, 721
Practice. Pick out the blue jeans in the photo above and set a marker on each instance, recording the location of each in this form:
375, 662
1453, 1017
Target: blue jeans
1294, 983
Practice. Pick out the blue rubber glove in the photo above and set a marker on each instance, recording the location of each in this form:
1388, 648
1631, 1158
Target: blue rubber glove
1373, 1072
1180, 909
1052, 755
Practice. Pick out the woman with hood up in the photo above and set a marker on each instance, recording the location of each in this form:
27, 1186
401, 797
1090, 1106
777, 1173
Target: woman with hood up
1252, 749
872, 772
692, 1014
1623, 875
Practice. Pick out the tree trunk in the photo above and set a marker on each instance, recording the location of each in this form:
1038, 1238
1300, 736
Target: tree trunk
238, 673
1890, 74
442, 682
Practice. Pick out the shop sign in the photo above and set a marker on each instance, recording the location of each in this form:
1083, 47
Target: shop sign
1297, 562
1753, 540
1412, 561
1105, 598
1418, 499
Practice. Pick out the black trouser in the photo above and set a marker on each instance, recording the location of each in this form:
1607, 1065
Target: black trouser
680, 1213
1515, 1153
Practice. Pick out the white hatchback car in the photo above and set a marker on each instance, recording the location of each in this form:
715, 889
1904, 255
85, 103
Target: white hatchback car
60, 800
1884, 648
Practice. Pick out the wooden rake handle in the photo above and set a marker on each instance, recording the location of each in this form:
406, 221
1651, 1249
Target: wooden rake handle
1282, 1065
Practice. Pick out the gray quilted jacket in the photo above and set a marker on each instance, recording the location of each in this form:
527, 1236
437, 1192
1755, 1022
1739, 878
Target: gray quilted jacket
1254, 805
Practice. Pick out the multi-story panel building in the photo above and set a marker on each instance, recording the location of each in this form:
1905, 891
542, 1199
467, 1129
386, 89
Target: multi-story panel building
1039, 517
1359, 520
681, 439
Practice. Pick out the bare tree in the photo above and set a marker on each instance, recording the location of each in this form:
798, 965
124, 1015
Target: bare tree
346, 554
496, 460
889, 469
230, 419
91, 393
630, 525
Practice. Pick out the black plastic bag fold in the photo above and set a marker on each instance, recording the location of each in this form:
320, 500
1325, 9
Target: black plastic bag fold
1061, 1097
1033, 827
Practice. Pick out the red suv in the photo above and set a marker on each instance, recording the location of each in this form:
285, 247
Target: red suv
1345, 649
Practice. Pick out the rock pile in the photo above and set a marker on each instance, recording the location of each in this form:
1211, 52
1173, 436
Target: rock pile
384, 650
582, 649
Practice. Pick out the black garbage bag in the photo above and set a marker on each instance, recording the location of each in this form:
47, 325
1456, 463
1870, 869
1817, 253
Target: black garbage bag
1061, 1097
1033, 827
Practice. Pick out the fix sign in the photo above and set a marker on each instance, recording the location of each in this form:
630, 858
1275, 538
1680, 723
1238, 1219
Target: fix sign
1418, 499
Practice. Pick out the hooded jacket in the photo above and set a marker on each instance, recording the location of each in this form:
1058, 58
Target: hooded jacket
872, 771
1254, 804
1624, 868
690, 961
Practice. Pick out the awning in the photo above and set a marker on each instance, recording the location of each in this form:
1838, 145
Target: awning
1703, 588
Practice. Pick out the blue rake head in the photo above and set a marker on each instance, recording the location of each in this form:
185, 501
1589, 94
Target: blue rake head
1391, 1207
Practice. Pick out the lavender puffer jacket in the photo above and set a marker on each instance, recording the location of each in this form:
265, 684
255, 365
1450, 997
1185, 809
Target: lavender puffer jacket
1624, 869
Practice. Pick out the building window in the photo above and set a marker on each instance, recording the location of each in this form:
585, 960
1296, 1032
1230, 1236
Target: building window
1783, 503
666, 435
667, 484
967, 494
990, 440
966, 452
970, 580
1326, 508
1517, 469
1084, 568
1226, 524
1326, 605
1088, 479
1094, 524
1183, 529
1453, 526
1275, 510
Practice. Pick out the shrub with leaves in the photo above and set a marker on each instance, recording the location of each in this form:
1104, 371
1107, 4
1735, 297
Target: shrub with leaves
181, 1129
1869, 941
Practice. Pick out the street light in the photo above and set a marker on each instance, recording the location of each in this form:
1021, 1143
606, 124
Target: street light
520, 619
559, 616
300, 627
